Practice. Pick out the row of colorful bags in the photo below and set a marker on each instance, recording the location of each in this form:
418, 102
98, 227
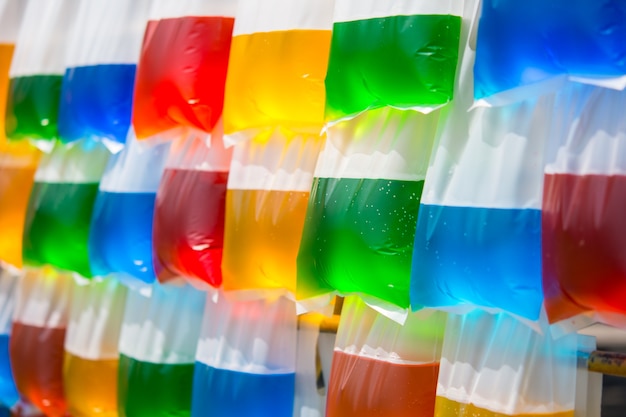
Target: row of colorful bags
95, 348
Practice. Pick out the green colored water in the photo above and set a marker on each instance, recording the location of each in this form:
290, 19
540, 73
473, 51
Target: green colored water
33, 107
398, 61
56, 231
154, 389
358, 238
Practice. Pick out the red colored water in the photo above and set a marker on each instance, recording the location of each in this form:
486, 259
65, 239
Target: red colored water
37, 362
181, 74
399, 390
189, 223
584, 244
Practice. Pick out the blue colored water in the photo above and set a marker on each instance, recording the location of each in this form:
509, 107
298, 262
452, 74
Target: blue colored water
8, 392
523, 42
120, 238
225, 393
96, 102
478, 256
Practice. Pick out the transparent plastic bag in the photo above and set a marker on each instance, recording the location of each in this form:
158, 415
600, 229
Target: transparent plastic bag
381, 367
101, 60
190, 209
38, 336
120, 237
278, 61
494, 365
91, 347
37, 70
158, 342
56, 230
8, 291
526, 48
182, 71
266, 199
584, 275
397, 54
359, 230
245, 363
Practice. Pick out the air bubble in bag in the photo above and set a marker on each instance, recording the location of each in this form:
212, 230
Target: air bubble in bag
38, 336
120, 237
381, 367
37, 70
361, 216
245, 363
157, 348
277, 64
91, 347
101, 59
493, 365
190, 209
8, 292
182, 70
58, 219
396, 54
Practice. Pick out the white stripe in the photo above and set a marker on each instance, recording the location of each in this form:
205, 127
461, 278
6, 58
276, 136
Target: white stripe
11, 14
279, 165
108, 32
41, 44
43, 298
163, 9
77, 162
201, 151
349, 10
8, 291
386, 143
255, 16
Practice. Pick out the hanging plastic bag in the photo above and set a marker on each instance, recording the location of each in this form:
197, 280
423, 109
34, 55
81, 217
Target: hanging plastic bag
120, 239
266, 200
402, 55
190, 209
494, 365
478, 237
157, 348
37, 70
526, 48
246, 359
584, 236
182, 70
38, 336
359, 230
91, 347
56, 231
381, 367
8, 292
278, 61
102, 55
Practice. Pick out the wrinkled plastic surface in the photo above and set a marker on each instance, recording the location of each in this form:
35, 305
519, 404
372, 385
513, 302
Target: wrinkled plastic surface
91, 352
478, 237
266, 200
158, 342
37, 70
382, 56
496, 366
361, 216
190, 209
120, 239
8, 292
182, 73
278, 61
522, 43
381, 367
97, 89
245, 365
37, 339
583, 231
56, 230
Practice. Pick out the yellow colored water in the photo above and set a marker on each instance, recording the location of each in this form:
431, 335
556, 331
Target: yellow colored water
448, 408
